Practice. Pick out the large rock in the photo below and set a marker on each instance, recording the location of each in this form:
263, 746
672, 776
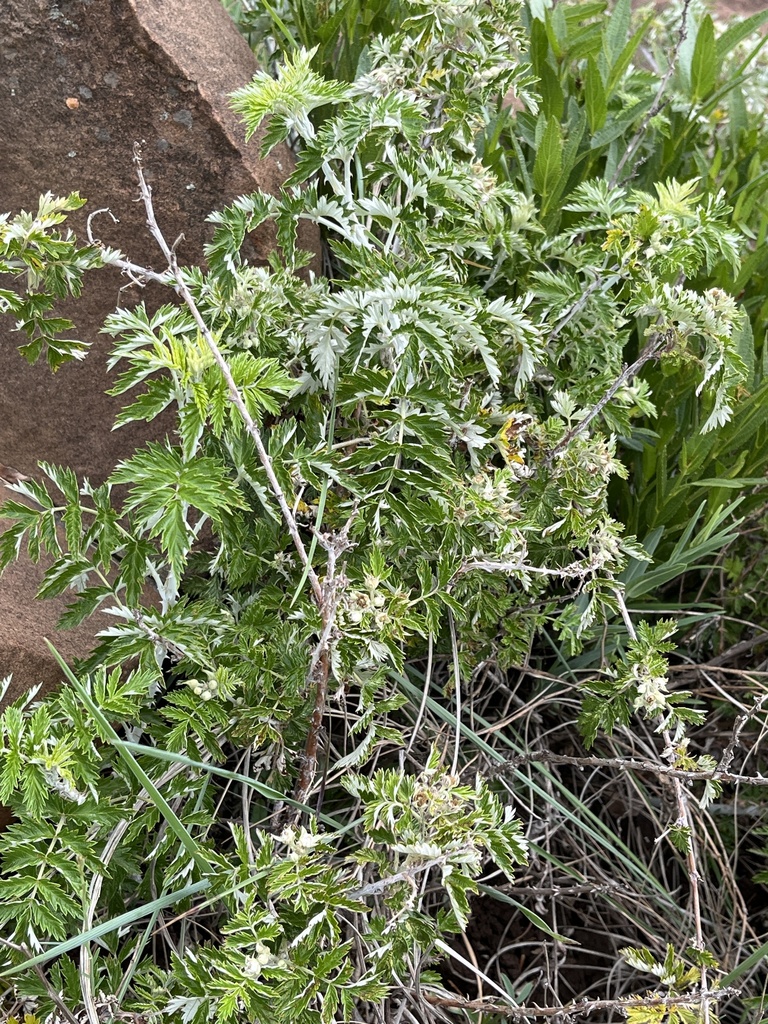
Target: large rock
24, 625
80, 82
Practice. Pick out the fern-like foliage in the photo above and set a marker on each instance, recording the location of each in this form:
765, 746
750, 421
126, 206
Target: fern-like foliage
407, 462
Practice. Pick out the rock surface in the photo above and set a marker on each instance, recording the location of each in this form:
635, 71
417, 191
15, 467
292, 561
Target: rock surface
24, 625
80, 82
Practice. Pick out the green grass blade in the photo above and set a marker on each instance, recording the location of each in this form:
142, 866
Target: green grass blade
751, 961
123, 921
174, 822
258, 787
532, 916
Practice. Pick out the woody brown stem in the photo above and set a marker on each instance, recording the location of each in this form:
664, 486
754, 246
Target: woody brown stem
325, 593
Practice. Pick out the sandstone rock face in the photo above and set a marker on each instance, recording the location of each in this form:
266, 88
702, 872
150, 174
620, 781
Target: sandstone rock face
24, 625
80, 82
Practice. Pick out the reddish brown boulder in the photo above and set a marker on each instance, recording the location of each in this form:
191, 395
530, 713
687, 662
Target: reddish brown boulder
80, 82
25, 623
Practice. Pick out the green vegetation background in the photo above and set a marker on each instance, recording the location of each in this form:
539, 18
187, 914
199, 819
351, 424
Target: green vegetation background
448, 700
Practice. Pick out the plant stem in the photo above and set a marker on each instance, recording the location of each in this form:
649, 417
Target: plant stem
684, 820
325, 594
236, 398
651, 350
658, 102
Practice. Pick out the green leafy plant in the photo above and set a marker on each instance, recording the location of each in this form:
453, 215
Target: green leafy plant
52, 267
388, 484
677, 977
339, 30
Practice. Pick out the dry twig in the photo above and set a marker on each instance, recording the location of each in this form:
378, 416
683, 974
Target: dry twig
630, 764
325, 594
575, 1009
658, 102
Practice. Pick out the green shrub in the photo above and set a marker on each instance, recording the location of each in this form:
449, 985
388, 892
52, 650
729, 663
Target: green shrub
387, 482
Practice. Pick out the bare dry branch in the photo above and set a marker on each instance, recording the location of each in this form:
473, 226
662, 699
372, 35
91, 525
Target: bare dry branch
180, 286
651, 350
326, 593
631, 764
659, 100
575, 1009
730, 751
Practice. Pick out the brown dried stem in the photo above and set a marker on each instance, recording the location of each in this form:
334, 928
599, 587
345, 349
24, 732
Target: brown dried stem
325, 593
659, 100
180, 286
321, 659
730, 751
575, 1009
631, 764
651, 350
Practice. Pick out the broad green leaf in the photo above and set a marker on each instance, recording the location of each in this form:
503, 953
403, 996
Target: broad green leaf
548, 167
619, 124
538, 46
539, 8
617, 29
738, 30
704, 60
732, 483
744, 343
552, 97
624, 59
737, 121
557, 30
594, 95
570, 150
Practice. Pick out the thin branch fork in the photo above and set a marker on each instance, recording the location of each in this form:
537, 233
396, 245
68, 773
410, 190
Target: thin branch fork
630, 764
576, 1008
735, 740
651, 350
659, 100
325, 593
657, 343
180, 286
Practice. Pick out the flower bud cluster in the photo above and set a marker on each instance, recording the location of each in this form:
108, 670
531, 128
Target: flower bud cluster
356, 604
300, 842
651, 691
254, 965
205, 689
